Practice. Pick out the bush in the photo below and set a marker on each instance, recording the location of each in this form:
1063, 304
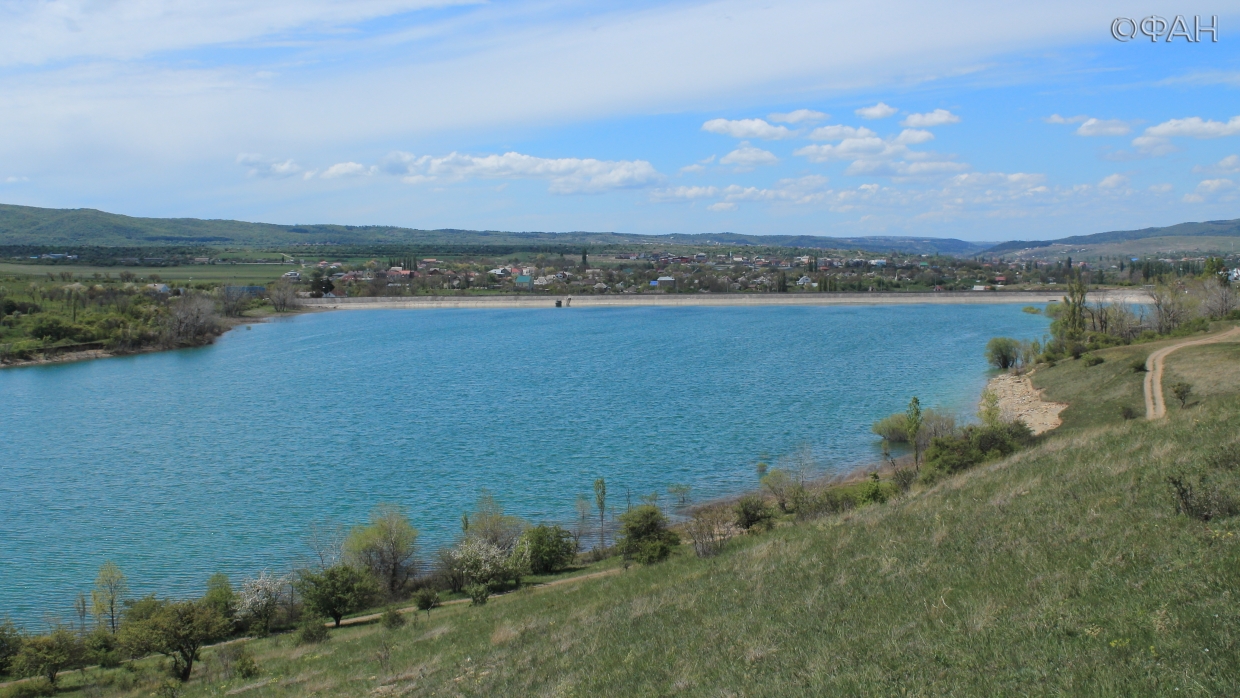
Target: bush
904, 478
948, 455
102, 649
1138, 366
1196, 496
426, 599
1092, 360
1003, 352
644, 535
34, 688
244, 665
1128, 412
551, 548
10, 644
312, 630
337, 590
392, 619
811, 504
709, 528
478, 594
874, 492
1182, 391
752, 512
894, 428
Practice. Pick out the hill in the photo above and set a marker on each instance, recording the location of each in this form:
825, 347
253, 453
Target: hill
26, 225
1208, 229
1064, 569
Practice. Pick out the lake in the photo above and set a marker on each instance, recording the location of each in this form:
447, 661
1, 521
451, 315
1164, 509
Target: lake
180, 464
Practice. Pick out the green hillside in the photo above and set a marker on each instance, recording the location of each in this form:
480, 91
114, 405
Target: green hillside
25, 225
1216, 229
1064, 570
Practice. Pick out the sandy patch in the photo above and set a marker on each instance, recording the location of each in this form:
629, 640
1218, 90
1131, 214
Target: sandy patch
1018, 399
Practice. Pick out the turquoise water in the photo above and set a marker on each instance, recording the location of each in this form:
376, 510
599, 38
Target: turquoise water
180, 464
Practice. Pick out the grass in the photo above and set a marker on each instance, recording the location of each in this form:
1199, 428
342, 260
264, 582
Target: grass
1064, 569
237, 274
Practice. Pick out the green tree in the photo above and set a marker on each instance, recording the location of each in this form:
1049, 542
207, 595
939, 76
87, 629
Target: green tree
1182, 391
48, 655
912, 428
680, 492
178, 630
781, 485
752, 512
10, 644
551, 548
220, 595
386, 547
1003, 352
336, 591
644, 534
108, 596
426, 599
600, 499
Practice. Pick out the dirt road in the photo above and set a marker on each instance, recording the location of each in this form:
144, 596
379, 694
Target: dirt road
1155, 407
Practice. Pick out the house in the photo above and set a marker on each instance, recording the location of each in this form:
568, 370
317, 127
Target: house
666, 281
525, 282
804, 281
600, 287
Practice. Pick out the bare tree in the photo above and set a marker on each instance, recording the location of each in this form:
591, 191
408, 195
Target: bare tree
1170, 308
233, 299
283, 295
1220, 297
191, 320
709, 528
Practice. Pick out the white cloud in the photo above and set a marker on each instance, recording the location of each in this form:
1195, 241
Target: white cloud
1228, 165
1221, 189
567, 175
836, 132
722, 206
15, 180
900, 168
1103, 127
267, 168
848, 149
1195, 127
798, 116
747, 128
1114, 181
1057, 119
912, 136
1155, 146
878, 111
938, 117
804, 190
747, 156
1163, 188
347, 169
684, 193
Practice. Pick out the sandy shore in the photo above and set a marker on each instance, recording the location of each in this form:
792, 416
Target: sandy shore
1018, 399
712, 299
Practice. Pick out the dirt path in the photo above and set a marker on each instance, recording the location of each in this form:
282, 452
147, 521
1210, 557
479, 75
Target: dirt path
1155, 407
359, 620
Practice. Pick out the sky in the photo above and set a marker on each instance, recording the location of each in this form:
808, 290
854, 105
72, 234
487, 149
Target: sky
975, 120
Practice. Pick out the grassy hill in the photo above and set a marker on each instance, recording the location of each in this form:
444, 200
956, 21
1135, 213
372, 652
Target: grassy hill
26, 225
1209, 229
1064, 569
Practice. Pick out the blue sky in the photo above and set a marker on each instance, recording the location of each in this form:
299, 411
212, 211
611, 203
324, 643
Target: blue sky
977, 120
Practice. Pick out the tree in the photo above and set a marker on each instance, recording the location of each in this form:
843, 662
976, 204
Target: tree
220, 595
709, 528
781, 485
260, 599
178, 630
108, 595
680, 492
912, 426
600, 499
479, 561
491, 524
1182, 391
283, 295
336, 590
10, 644
1003, 352
47, 655
551, 548
989, 411
386, 547
584, 258
426, 599
190, 321
645, 535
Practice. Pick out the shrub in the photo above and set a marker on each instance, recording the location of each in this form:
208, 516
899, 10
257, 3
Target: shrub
47, 655
101, 648
782, 486
312, 630
893, 428
752, 512
1182, 391
551, 548
244, 665
1092, 360
709, 528
1199, 498
1003, 352
873, 492
644, 535
904, 478
948, 455
1138, 366
392, 619
10, 644
811, 504
478, 594
1128, 412
426, 599
34, 688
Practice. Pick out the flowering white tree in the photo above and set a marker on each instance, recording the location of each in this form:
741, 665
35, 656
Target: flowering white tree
479, 561
260, 597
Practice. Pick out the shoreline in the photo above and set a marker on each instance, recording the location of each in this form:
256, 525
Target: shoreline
711, 300
1019, 400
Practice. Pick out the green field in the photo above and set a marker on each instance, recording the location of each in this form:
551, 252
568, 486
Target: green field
238, 274
1062, 570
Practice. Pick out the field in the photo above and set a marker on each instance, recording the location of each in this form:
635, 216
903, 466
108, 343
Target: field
237, 274
1064, 569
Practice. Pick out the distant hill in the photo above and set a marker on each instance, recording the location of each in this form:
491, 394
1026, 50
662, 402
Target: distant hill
1207, 229
27, 225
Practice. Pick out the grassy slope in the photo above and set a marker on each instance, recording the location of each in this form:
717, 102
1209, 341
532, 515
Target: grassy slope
1064, 569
